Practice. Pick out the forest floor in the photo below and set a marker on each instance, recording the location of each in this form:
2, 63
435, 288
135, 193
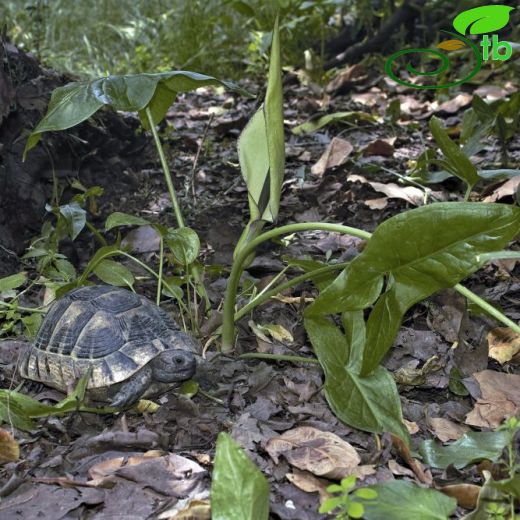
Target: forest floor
143, 465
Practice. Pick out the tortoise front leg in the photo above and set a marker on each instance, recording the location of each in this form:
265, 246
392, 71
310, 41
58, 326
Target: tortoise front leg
133, 389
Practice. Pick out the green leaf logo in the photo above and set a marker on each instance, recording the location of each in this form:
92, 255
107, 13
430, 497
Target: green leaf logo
481, 20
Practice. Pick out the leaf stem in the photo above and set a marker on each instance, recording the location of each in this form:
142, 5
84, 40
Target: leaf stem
37, 310
166, 169
263, 297
228, 328
483, 304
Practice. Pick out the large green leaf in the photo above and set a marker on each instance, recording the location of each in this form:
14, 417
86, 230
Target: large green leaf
13, 281
368, 403
184, 244
438, 246
19, 409
114, 273
456, 162
102, 253
75, 216
261, 151
420, 252
77, 101
398, 499
481, 20
118, 218
239, 491
471, 447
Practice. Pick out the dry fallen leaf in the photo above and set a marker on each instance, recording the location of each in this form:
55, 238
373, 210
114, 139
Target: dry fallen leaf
379, 147
410, 194
446, 430
465, 494
143, 239
309, 483
503, 343
170, 475
403, 450
9, 449
336, 154
453, 105
322, 453
399, 470
345, 76
500, 399
195, 510
505, 190
376, 204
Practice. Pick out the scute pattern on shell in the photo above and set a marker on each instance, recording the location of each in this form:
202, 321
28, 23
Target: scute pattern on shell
111, 329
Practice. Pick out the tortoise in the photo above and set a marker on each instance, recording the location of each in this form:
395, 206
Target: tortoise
135, 349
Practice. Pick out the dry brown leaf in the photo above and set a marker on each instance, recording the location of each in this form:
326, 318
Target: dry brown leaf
322, 453
451, 45
500, 399
411, 426
379, 147
503, 343
336, 154
465, 494
309, 483
403, 450
411, 194
376, 203
143, 239
505, 190
454, 105
446, 430
9, 449
493, 92
399, 470
292, 299
258, 332
170, 475
195, 510
369, 99
364, 470
343, 77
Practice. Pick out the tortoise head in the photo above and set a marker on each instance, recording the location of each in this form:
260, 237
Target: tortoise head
178, 362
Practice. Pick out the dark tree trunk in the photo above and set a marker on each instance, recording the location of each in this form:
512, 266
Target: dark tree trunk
354, 52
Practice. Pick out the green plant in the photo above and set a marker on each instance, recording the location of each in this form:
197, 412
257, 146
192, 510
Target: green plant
150, 95
439, 244
239, 491
345, 500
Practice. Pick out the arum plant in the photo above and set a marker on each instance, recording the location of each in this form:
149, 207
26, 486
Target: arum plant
150, 95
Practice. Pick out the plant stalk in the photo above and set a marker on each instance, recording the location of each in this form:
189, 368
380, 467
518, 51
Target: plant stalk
228, 325
166, 170
229, 315
263, 297
483, 304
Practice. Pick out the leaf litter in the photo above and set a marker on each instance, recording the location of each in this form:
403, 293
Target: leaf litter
159, 465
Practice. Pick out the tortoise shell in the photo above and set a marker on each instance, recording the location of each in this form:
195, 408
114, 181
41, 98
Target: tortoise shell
111, 329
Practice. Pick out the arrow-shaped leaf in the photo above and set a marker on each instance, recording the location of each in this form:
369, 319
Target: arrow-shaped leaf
77, 101
261, 151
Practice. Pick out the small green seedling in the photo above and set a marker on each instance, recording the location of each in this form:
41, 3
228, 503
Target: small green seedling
344, 502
